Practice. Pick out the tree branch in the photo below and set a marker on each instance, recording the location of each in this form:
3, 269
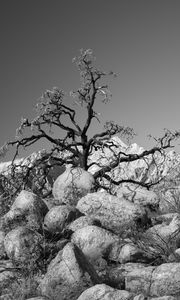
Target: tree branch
129, 158
140, 183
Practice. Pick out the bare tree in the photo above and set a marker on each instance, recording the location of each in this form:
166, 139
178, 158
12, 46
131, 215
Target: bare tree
71, 144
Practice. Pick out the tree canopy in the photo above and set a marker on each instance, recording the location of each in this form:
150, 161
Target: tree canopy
72, 144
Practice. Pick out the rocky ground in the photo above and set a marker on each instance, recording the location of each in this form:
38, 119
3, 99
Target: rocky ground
80, 244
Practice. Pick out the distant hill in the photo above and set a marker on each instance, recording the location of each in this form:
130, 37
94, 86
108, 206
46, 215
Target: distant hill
148, 168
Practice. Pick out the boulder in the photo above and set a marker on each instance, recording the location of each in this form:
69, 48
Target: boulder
164, 236
103, 291
57, 217
81, 222
27, 201
8, 274
73, 184
165, 280
127, 253
115, 214
6, 278
114, 251
22, 245
27, 207
140, 297
63, 273
164, 218
118, 273
154, 281
177, 252
124, 251
37, 298
138, 280
139, 195
161, 298
93, 240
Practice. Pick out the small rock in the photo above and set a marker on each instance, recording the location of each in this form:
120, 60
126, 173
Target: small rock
103, 291
127, 252
139, 297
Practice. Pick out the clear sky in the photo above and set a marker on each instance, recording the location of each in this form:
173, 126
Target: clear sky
138, 39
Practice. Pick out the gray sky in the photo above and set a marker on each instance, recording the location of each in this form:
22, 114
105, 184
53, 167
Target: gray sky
138, 39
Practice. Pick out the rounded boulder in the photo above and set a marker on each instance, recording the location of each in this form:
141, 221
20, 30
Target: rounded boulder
73, 184
27, 208
22, 244
93, 240
27, 201
114, 213
57, 217
103, 291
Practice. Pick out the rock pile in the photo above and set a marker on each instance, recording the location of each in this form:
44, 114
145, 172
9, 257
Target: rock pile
90, 245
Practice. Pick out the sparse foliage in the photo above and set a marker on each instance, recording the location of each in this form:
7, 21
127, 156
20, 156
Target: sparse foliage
70, 143
156, 248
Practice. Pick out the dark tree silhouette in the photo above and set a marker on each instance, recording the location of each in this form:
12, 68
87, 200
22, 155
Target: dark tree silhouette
71, 144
